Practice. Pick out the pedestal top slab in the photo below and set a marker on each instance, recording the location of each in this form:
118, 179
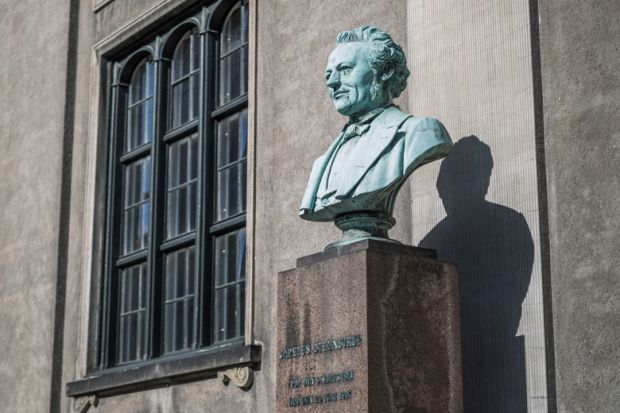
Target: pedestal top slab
374, 244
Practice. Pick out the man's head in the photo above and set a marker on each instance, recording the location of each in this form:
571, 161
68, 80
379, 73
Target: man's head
366, 70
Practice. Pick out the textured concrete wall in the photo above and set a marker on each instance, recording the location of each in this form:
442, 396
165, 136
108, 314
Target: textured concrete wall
32, 96
73, 336
581, 92
471, 62
472, 68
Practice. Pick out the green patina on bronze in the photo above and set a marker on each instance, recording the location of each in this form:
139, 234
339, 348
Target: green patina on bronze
356, 181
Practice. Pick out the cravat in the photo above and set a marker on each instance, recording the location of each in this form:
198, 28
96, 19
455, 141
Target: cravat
351, 131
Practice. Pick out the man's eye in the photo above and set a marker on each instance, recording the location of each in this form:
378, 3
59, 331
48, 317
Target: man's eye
346, 70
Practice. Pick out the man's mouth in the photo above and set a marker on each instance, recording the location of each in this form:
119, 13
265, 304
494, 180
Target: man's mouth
339, 94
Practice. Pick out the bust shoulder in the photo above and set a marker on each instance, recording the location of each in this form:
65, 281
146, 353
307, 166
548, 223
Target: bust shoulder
422, 124
394, 116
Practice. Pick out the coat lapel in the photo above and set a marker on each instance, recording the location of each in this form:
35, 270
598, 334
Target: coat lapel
369, 149
318, 168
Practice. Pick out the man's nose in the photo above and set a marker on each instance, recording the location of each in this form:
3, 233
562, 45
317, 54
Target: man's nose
333, 81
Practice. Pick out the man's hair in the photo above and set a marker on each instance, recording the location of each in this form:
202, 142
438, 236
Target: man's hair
385, 55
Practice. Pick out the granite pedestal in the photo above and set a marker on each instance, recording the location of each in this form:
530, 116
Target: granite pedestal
369, 327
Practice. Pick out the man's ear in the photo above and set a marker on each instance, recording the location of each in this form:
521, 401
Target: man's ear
387, 75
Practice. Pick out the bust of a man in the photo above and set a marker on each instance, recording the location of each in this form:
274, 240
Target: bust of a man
356, 181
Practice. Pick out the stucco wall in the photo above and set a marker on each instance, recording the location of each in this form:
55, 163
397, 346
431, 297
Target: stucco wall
471, 68
32, 99
581, 91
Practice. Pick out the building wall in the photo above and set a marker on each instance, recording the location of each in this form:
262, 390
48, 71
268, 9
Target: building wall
291, 57
581, 96
472, 68
32, 96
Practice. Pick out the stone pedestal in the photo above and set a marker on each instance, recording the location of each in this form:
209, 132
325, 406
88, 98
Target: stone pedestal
369, 327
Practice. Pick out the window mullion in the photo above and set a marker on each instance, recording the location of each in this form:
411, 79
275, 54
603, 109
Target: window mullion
154, 266
204, 291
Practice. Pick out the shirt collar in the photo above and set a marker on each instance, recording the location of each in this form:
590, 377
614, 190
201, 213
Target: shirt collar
367, 117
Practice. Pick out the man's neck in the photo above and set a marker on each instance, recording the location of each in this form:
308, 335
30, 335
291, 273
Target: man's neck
368, 116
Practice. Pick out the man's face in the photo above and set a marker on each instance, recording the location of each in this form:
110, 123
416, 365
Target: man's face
350, 78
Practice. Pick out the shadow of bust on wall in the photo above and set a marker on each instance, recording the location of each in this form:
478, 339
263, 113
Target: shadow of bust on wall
493, 248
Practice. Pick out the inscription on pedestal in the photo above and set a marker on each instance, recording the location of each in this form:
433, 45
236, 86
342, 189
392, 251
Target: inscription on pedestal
321, 347
367, 328
319, 386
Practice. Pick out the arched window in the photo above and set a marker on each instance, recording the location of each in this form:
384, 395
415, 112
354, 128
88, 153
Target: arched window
174, 259
136, 214
181, 205
231, 171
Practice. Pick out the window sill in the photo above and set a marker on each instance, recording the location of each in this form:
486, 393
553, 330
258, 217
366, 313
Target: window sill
164, 372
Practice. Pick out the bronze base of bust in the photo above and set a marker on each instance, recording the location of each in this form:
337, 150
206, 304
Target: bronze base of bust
356, 226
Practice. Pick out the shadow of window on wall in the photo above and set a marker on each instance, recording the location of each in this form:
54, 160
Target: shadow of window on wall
493, 248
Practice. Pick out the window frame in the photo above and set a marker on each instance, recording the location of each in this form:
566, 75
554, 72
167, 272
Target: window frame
202, 361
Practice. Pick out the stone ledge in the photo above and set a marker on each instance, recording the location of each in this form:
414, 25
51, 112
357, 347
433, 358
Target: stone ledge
163, 372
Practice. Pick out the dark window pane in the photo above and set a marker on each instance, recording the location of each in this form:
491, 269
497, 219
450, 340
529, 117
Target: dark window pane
220, 314
181, 201
195, 59
193, 167
232, 138
233, 57
244, 24
186, 56
140, 124
231, 175
194, 95
230, 258
229, 285
171, 276
191, 271
137, 88
231, 33
241, 318
191, 206
228, 313
232, 311
180, 103
132, 316
189, 319
181, 58
179, 325
231, 192
136, 228
185, 80
149, 79
231, 77
137, 182
140, 109
169, 322
181, 273
136, 205
179, 313
130, 289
